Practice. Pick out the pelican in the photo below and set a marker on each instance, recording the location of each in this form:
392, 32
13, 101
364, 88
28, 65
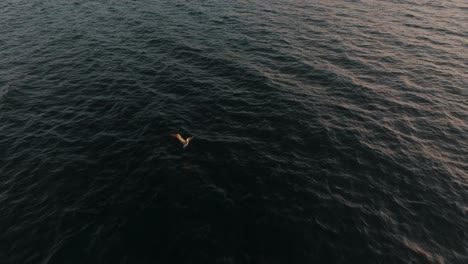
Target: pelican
184, 142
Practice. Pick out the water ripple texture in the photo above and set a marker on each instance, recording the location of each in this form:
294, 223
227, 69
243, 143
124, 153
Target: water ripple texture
325, 131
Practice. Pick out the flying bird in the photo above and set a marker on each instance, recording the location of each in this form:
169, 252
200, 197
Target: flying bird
184, 142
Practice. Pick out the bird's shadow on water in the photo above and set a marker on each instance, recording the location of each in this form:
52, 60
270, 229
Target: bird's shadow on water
180, 159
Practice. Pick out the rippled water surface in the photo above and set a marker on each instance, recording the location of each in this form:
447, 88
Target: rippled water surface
325, 131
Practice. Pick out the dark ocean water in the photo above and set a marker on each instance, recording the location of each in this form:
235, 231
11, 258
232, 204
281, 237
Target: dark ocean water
325, 131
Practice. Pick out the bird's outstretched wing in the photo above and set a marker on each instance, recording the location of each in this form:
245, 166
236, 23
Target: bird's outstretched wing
188, 139
179, 137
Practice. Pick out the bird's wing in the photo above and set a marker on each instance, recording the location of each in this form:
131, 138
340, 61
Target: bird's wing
179, 137
188, 139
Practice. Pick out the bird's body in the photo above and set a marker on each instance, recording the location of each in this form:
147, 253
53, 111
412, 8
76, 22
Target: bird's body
184, 142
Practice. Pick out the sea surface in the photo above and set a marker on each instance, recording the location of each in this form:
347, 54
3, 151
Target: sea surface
324, 131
